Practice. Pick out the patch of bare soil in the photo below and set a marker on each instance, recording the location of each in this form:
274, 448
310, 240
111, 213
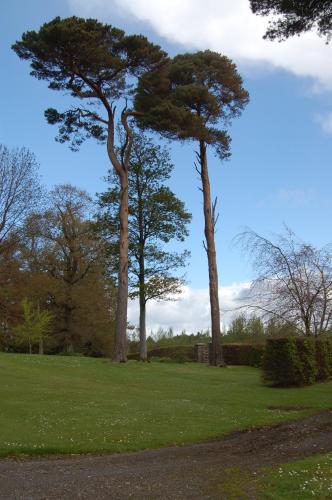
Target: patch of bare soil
194, 471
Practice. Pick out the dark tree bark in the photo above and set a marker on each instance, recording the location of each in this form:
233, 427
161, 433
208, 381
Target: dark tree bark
143, 352
209, 226
41, 346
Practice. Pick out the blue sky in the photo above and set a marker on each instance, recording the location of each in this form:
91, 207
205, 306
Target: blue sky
280, 169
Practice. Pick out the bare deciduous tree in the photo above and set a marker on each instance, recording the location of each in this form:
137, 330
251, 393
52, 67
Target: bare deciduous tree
20, 190
294, 281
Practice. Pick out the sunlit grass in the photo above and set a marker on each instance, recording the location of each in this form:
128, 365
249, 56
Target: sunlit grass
57, 404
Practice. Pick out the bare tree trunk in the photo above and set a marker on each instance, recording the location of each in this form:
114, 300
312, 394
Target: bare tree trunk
30, 347
41, 346
120, 348
216, 357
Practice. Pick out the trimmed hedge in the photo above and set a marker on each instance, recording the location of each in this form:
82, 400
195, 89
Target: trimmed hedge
179, 354
297, 361
234, 354
243, 354
324, 358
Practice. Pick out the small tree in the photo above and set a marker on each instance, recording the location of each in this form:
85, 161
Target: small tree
35, 326
193, 97
97, 64
295, 17
156, 216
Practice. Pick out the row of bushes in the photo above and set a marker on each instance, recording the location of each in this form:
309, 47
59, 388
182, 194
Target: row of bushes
297, 361
234, 354
243, 354
179, 354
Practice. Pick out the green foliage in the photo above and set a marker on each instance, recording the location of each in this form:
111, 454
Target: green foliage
243, 354
94, 62
177, 354
35, 326
324, 357
276, 328
294, 18
156, 217
248, 330
187, 97
297, 361
307, 353
281, 362
79, 404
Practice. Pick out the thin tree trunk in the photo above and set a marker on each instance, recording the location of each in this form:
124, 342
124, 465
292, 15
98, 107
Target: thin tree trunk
143, 353
142, 299
41, 346
142, 310
216, 357
30, 347
120, 348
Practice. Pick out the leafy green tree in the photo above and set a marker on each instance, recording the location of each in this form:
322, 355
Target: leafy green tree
255, 329
193, 97
98, 65
35, 326
293, 17
156, 216
64, 246
238, 329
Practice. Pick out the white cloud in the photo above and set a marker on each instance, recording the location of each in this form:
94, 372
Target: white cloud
192, 311
224, 26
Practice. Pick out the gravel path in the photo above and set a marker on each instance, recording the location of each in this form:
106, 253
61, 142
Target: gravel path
188, 472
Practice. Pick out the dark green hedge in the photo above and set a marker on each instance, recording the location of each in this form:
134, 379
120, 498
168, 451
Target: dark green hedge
297, 361
234, 354
243, 354
180, 354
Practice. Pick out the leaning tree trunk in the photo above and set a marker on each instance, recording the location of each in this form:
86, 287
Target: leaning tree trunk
216, 357
120, 348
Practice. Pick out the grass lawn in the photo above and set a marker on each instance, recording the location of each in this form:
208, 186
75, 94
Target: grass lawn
301, 479
58, 404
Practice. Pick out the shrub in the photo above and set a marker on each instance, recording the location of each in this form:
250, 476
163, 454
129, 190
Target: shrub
281, 363
301, 361
323, 357
178, 354
243, 354
307, 354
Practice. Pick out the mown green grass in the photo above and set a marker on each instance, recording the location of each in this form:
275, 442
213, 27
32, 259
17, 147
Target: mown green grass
300, 479
309, 478
58, 404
